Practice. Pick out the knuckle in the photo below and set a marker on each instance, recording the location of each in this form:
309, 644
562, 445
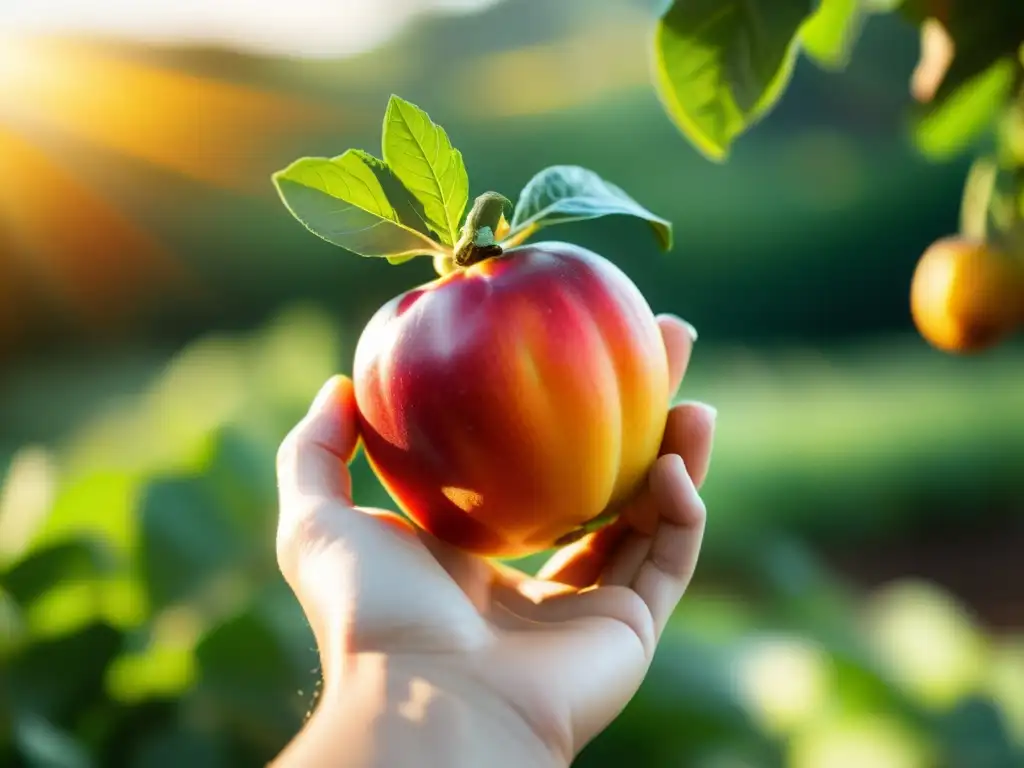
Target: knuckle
296, 531
629, 607
288, 450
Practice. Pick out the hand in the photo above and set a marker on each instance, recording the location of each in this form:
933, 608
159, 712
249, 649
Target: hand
550, 660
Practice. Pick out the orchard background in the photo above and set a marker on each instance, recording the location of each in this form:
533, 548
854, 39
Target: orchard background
164, 322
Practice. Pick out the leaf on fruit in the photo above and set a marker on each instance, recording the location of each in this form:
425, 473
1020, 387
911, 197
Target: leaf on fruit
721, 65
829, 35
566, 193
422, 157
354, 201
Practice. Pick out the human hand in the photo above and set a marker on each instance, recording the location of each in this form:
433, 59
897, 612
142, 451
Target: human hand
545, 662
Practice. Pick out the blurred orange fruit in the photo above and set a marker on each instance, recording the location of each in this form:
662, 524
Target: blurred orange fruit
966, 295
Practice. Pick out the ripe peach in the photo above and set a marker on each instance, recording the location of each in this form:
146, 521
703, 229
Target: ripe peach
966, 296
507, 405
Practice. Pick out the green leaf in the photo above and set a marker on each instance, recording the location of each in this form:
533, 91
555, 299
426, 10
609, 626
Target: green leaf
722, 64
422, 157
248, 670
44, 744
566, 193
957, 118
979, 81
57, 563
187, 539
175, 745
829, 35
55, 677
354, 201
975, 732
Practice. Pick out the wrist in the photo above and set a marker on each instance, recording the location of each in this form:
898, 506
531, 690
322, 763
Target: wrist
418, 710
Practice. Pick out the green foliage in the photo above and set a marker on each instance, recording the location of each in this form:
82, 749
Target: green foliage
722, 66
962, 111
829, 35
979, 82
565, 193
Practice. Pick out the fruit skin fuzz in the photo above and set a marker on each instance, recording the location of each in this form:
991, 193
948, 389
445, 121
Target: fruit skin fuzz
505, 405
966, 296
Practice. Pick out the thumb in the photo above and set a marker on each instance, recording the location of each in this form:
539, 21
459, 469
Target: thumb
312, 471
312, 460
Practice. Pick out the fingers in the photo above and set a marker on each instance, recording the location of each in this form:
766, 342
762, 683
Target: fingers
618, 549
579, 564
312, 460
678, 336
665, 573
689, 433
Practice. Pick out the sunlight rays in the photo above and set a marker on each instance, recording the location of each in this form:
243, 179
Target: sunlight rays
59, 235
71, 240
206, 130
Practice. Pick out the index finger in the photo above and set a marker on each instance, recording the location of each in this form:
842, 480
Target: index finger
678, 337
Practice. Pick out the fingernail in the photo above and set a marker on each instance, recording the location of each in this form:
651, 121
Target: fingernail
688, 326
325, 394
711, 411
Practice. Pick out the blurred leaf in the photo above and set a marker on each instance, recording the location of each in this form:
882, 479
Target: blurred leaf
861, 739
26, 495
186, 540
43, 745
831, 33
175, 746
974, 734
691, 685
247, 670
82, 559
55, 677
341, 200
157, 672
926, 640
721, 66
99, 504
242, 482
566, 193
979, 78
420, 154
959, 118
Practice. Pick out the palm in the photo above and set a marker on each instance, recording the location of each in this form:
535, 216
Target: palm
567, 648
535, 640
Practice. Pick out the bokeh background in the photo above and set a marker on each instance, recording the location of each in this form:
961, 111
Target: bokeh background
164, 322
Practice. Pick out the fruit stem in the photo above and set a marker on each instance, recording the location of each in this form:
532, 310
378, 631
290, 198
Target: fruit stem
477, 241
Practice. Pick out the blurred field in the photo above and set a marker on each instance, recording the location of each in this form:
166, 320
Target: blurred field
860, 600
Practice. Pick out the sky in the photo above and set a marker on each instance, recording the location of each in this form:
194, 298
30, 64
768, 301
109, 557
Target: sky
302, 28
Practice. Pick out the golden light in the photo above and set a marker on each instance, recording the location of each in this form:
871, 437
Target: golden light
16, 63
60, 100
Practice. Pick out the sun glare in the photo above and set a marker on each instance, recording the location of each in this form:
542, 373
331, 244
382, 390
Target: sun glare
15, 62
59, 99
